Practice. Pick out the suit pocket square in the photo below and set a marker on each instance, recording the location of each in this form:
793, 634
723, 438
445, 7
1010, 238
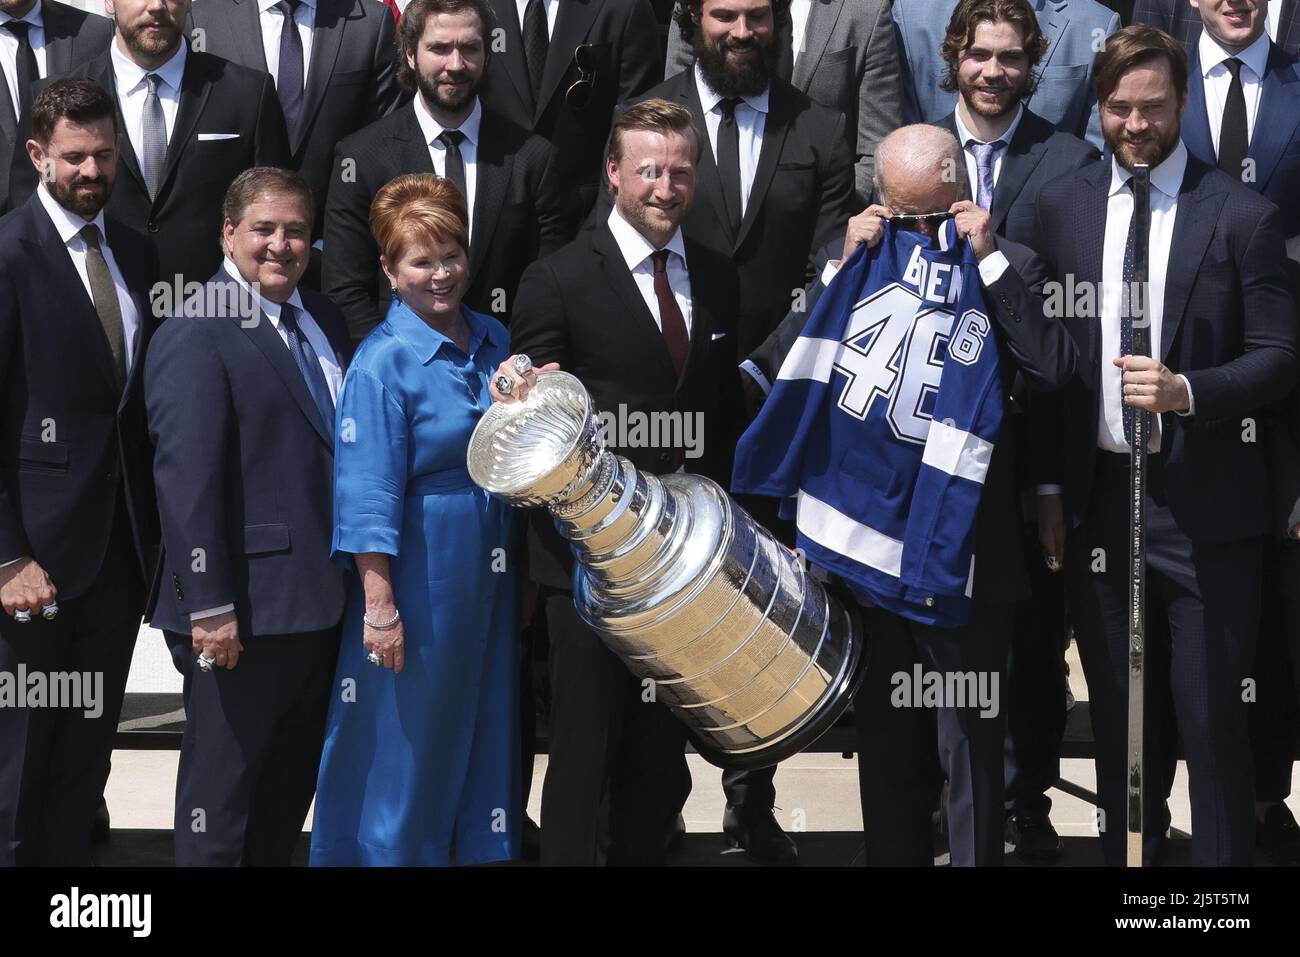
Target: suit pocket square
717, 336
208, 137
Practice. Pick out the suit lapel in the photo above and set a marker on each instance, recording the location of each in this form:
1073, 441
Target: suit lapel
1288, 28
572, 22
246, 32
1024, 153
822, 18
703, 322
195, 88
1198, 211
1196, 119
641, 320
512, 59
492, 177
1089, 211
326, 40
408, 140
58, 41
1053, 23
72, 292
775, 129
102, 73
267, 339
1279, 116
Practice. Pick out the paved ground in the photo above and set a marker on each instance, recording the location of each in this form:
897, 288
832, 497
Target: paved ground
817, 796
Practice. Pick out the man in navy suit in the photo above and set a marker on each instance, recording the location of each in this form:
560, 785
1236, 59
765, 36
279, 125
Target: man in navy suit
1074, 29
1223, 339
1181, 20
992, 51
240, 394
77, 515
1243, 115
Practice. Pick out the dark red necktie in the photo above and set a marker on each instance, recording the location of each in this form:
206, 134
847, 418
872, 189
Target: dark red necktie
670, 314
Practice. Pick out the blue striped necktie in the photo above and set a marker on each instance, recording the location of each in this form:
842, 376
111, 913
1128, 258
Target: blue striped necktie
309, 365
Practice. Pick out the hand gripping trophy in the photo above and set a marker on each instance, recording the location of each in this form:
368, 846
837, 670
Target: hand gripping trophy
681, 583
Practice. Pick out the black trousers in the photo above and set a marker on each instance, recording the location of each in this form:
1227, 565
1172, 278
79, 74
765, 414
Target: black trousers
608, 746
54, 762
252, 747
1036, 686
1275, 714
897, 773
1203, 618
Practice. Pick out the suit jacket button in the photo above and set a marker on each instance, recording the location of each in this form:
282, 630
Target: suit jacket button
151, 226
929, 601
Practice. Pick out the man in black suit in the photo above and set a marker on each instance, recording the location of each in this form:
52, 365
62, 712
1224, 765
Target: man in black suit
1181, 20
508, 175
775, 183
843, 54
335, 73
563, 68
39, 38
899, 772
77, 514
1223, 339
642, 315
192, 122
240, 392
1010, 152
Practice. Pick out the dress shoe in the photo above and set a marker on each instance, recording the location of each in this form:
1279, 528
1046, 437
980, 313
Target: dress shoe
1035, 840
530, 842
756, 830
1278, 836
675, 836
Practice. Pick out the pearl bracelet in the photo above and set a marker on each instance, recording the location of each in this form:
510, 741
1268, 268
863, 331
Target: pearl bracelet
381, 626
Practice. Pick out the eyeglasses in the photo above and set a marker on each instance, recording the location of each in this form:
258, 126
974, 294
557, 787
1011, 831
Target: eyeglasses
917, 220
579, 94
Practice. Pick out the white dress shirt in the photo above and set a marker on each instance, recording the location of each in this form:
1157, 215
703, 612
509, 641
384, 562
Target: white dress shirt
552, 7
132, 90
9, 50
799, 11
69, 226
272, 21
432, 129
1274, 14
324, 352
1254, 60
1165, 182
636, 250
965, 136
751, 118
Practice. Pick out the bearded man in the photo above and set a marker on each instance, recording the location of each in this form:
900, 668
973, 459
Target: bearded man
507, 174
1223, 344
192, 123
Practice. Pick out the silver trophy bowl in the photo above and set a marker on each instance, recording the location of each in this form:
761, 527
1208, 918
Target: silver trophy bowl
680, 582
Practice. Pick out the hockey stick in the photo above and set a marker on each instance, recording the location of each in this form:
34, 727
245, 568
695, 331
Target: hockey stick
1136, 297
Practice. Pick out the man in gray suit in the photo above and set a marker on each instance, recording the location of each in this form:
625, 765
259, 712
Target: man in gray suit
39, 38
1075, 31
842, 54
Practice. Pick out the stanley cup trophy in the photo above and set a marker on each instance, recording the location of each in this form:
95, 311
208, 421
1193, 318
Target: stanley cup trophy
749, 651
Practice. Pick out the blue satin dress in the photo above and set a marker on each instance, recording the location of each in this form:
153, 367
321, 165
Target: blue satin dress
422, 768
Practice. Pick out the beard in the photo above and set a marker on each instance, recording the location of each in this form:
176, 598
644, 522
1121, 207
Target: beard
450, 99
1007, 102
168, 37
737, 79
85, 204
1153, 149
652, 219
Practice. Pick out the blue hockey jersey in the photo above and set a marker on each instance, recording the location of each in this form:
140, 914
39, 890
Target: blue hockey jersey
880, 427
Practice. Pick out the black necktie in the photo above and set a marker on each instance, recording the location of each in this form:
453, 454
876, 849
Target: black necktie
25, 65
1234, 138
536, 41
454, 166
289, 74
729, 161
1128, 300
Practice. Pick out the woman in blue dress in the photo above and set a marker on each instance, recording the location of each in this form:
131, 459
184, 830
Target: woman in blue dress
421, 765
